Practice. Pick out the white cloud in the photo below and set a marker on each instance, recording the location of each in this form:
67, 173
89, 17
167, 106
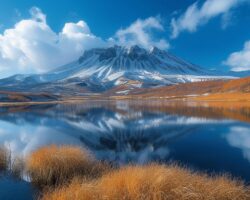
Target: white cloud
240, 61
239, 137
37, 14
141, 32
32, 46
227, 20
32, 137
196, 16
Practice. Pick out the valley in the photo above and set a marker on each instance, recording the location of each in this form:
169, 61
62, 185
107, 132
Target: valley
237, 90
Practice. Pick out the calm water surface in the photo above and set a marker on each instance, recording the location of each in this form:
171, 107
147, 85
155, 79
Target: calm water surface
206, 139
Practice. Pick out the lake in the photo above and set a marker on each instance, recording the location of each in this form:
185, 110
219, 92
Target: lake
211, 139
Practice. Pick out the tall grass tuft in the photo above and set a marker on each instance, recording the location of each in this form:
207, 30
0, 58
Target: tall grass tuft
4, 159
18, 167
152, 182
54, 165
13, 165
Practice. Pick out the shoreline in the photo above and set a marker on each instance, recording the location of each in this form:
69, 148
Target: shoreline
197, 100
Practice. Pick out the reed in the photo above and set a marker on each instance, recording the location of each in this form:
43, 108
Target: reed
4, 159
54, 165
18, 167
152, 182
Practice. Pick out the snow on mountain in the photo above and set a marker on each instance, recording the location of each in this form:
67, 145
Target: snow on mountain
101, 69
150, 67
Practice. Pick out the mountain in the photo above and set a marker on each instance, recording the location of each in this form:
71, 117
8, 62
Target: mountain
102, 69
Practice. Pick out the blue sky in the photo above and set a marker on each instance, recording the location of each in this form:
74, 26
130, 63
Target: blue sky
36, 36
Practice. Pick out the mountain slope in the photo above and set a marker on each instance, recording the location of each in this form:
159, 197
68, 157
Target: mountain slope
222, 90
208, 91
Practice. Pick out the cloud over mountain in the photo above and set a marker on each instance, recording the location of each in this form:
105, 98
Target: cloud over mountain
31, 46
141, 32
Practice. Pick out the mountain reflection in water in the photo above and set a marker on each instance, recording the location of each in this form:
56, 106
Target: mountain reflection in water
214, 139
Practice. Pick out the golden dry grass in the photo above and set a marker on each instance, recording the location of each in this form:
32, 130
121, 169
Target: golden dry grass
153, 182
225, 97
56, 165
237, 90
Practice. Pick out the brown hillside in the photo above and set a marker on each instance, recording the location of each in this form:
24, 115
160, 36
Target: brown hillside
205, 89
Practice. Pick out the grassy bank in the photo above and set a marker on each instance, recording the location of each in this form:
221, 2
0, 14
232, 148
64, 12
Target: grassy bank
71, 173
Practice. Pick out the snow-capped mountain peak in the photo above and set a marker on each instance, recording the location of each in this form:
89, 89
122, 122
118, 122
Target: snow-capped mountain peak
134, 59
101, 69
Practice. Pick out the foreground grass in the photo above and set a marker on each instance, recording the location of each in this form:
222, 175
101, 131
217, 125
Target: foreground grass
70, 173
53, 165
152, 182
